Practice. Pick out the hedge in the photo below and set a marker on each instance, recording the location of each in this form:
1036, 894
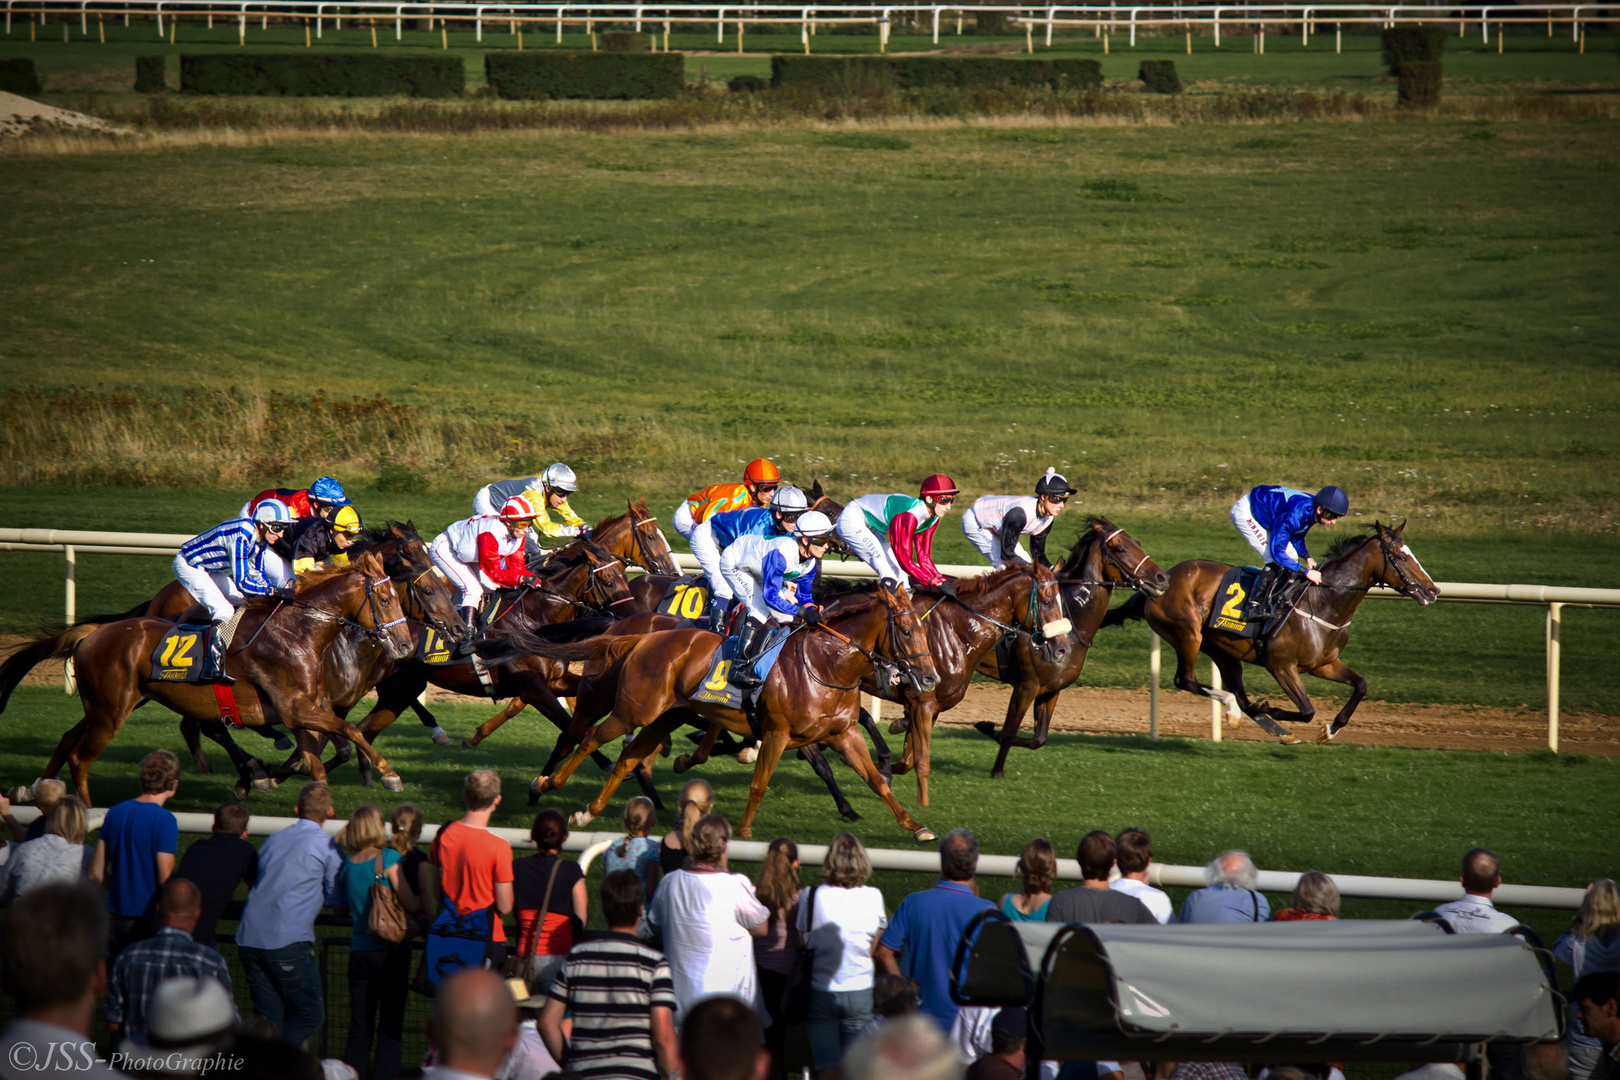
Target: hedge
1419, 84
17, 76
843, 74
324, 74
151, 75
624, 41
547, 74
1405, 43
1160, 76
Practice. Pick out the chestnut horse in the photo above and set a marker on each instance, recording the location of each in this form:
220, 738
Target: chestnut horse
278, 666
1103, 556
1309, 640
811, 696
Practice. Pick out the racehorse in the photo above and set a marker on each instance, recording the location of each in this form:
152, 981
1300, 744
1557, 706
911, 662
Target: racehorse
1103, 556
962, 628
1309, 639
812, 695
279, 670
635, 537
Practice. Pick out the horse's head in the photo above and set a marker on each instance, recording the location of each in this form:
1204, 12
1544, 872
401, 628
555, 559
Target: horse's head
1400, 568
905, 643
606, 588
649, 547
380, 610
1047, 625
427, 597
1123, 561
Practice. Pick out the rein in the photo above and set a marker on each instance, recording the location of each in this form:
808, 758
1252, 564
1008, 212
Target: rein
648, 561
371, 601
1408, 587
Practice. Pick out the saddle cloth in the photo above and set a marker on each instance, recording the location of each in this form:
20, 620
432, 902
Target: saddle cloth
688, 598
432, 648
716, 688
179, 655
1230, 613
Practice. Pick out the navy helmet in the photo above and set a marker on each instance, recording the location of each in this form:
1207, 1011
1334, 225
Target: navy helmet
1053, 485
1333, 500
329, 491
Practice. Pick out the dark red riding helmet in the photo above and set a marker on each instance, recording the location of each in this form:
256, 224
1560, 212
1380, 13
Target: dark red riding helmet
939, 484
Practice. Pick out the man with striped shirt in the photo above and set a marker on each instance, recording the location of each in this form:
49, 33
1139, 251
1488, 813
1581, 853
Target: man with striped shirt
620, 995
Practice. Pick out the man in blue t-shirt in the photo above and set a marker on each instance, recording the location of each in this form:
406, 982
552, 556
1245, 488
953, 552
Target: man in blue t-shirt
135, 854
922, 938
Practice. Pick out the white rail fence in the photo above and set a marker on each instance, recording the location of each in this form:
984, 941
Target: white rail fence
72, 543
592, 844
1306, 18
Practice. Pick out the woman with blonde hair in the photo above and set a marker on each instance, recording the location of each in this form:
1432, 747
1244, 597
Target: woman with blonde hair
1591, 945
708, 916
637, 852
415, 868
1037, 868
773, 954
379, 973
697, 799
841, 922
57, 856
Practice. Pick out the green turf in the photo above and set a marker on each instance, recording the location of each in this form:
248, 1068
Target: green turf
1344, 809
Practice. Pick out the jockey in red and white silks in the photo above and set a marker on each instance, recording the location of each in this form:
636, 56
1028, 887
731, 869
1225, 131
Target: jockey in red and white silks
482, 552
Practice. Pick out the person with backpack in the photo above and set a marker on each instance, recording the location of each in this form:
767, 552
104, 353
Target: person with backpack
379, 971
475, 884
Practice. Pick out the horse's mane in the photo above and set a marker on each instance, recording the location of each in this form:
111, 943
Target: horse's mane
1096, 528
1350, 543
605, 523
320, 574
376, 534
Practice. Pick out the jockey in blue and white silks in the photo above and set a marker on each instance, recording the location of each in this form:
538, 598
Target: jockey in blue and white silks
773, 577
225, 566
1274, 520
718, 532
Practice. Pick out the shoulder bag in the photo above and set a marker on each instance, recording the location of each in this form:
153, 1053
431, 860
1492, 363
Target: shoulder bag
386, 919
795, 1006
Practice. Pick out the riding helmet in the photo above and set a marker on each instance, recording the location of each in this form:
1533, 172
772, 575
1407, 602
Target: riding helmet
329, 491
272, 512
517, 508
1053, 485
813, 524
939, 484
347, 521
1333, 500
762, 471
559, 477
789, 500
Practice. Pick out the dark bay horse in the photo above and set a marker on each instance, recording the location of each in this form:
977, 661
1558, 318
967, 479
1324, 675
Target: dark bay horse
1103, 556
1309, 641
812, 695
278, 667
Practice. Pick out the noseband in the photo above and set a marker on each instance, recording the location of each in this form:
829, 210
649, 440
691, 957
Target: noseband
647, 560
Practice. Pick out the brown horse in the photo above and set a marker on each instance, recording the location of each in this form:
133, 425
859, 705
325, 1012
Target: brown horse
279, 670
1103, 556
1022, 600
635, 537
811, 696
1309, 640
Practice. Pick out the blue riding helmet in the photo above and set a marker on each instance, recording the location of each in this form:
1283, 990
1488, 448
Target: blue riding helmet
272, 512
329, 491
1333, 500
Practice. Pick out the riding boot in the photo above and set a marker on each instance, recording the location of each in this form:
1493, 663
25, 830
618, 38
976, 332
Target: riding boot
469, 615
214, 667
721, 611
1261, 605
749, 640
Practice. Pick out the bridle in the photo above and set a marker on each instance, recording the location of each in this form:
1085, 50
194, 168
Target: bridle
645, 558
1131, 574
379, 629
1408, 586
1033, 630
900, 662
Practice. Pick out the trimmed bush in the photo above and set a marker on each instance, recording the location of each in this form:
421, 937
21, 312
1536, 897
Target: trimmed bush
747, 84
1418, 85
1405, 43
17, 76
151, 74
623, 41
324, 74
1160, 76
846, 74
546, 74
991, 22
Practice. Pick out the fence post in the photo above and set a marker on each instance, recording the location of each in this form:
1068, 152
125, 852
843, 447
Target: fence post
71, 606
873, 707
1214, 704
1153, 686
1555, 648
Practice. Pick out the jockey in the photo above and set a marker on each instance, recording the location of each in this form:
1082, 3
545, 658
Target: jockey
773, 577
313, 539
1274, 520
323, 498
720, 531
485, 552
225, 566
994, 523
894, 534
546, 492
760, 479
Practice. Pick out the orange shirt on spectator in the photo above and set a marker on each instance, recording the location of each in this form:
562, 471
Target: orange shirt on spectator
471, 862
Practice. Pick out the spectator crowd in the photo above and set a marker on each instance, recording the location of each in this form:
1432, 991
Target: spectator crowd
700, 975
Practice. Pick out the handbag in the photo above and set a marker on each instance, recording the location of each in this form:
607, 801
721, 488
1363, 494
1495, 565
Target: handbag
795, 1006
521, 966
386, 919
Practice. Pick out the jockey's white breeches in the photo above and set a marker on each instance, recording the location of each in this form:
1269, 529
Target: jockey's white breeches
868, 546
468, 581
1254, 532
484, 505
683, 521
707, 553
988, 541
217, 592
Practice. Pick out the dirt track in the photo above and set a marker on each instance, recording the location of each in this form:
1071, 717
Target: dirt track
1376, 723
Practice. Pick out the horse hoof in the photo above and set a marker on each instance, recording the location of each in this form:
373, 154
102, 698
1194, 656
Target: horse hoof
536, 787
851, 815
898, 727
581, 818
470, 744
266, 784
683, 763
440, 738
987, 729
924, 834
1288, 740
392, 782
242, 791
748, 756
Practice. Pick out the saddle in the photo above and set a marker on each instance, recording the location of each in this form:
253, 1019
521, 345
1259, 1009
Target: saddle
717, 687
1238, 606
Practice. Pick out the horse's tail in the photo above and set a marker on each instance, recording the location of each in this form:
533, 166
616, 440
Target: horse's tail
97, 620
24, 659
516, 643
603, 650
1131, 609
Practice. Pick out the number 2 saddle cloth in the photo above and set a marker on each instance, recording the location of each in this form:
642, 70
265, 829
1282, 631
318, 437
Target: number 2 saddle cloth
1230, 614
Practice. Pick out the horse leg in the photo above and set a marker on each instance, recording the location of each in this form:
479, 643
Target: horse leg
705, 748
1335, 671
1287, 678
1018, 703
884, 759
818, 762
490, 726
613, 727
437, 733
636, 750
853, 747
644, 778
190, 731
532, 689
918, 738
1187, 677
771, 746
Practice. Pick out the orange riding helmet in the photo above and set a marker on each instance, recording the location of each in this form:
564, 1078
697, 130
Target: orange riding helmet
761, 471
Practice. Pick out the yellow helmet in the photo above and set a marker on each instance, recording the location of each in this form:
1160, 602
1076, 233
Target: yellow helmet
347, 521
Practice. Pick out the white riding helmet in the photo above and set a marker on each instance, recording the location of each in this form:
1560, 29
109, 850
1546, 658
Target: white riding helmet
559, 477
813, 524
272, 512
789, 500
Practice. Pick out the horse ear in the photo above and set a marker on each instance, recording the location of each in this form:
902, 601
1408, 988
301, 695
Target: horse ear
371, 563
815, 491
1400, 528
